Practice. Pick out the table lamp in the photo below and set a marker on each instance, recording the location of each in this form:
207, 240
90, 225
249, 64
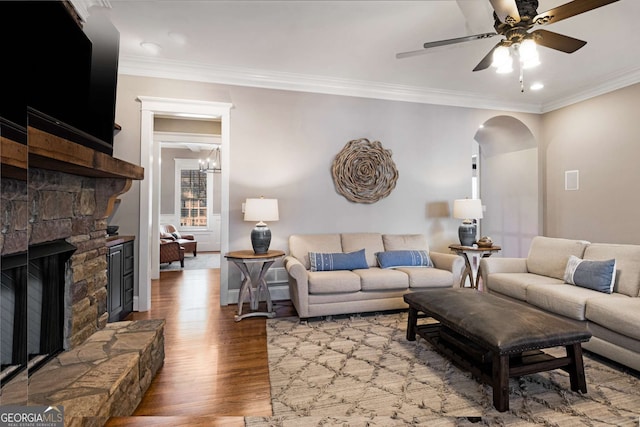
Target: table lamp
467, 210
261, 210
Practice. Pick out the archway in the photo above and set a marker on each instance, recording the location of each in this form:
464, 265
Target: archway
509, 184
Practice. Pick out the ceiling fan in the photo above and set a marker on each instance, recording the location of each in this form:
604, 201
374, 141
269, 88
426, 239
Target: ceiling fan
513, 20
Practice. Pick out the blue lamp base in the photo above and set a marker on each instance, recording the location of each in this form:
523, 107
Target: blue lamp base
260, 239
467, 234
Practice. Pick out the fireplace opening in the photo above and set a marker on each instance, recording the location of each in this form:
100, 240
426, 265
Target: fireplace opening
33, 307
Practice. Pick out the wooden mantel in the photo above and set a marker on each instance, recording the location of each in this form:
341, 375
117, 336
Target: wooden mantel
48, 151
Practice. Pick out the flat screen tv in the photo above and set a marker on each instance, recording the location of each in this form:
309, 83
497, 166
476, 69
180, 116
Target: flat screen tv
62, 77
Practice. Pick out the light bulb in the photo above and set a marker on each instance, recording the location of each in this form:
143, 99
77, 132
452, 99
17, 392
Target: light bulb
528, 54
501, 57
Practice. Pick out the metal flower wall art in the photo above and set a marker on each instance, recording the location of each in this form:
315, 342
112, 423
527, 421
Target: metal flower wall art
364, 172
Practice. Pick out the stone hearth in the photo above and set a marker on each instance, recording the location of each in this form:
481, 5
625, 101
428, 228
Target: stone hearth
105, 376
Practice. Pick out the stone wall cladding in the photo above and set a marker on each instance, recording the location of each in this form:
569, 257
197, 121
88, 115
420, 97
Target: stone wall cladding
51, 206
13, 216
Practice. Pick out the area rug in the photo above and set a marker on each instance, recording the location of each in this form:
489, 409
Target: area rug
361, 371
204, 260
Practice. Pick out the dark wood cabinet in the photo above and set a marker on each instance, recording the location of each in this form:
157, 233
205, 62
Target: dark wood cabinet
120, 273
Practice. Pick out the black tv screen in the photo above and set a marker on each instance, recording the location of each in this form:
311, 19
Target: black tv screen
67, 75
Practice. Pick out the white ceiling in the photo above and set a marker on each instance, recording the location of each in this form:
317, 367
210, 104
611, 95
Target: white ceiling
349, 47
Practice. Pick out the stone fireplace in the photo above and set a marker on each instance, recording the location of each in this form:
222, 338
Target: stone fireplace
59, 203
73, 209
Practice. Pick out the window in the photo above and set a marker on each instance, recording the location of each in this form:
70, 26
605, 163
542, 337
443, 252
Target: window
194, 191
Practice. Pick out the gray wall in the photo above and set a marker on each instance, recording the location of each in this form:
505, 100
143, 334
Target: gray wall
599, 137
283, 144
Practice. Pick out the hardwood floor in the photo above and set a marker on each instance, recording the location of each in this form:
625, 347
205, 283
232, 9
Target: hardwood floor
215, 369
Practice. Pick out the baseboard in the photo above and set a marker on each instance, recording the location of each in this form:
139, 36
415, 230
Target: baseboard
278, 291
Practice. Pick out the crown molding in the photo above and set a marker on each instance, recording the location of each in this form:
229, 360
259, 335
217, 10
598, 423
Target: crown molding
162, 68
610, 82
82, 7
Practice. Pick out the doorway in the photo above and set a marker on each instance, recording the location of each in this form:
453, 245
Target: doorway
150, 187
508, 182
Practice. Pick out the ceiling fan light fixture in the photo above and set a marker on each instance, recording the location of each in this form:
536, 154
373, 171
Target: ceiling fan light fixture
528, 53
505, 69
502, 60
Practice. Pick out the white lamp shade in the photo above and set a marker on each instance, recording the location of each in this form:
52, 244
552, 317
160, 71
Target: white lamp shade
467, 209
261, 210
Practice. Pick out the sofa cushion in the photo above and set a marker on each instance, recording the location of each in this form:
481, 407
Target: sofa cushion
617, 312
331, 282
596, 275
320, 261
548, 256
627, 263
405, 258
371, 242
377, 279
301, 244
567, 300
427, 277
515, 285
396, 242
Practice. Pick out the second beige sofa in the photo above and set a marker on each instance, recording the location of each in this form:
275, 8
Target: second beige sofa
539, 280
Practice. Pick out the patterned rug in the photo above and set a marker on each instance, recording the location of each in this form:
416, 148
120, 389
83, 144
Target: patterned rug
362, 371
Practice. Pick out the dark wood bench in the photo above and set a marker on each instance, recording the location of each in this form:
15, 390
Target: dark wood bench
496, 339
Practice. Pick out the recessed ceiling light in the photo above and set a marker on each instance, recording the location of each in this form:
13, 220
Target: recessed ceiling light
536, 86
150, 47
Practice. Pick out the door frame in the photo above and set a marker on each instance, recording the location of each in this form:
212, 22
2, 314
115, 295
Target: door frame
149, 222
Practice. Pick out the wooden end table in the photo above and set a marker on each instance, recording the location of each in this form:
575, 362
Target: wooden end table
472, 270
242, 259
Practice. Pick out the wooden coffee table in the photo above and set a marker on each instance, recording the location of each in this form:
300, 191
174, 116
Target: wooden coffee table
496, 339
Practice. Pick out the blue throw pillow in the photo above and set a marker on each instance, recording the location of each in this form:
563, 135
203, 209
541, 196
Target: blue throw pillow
597, 275
337, 261
391, 259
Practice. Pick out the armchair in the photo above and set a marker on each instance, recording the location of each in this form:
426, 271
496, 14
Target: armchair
187, 241
171, 251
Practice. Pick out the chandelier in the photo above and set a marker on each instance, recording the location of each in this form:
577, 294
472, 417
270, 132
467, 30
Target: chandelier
212, 163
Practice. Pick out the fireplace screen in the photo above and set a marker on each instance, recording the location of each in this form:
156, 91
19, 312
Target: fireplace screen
33, 307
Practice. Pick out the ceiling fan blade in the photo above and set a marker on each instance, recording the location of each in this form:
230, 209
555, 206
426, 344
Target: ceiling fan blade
411, 53
506, 11
557, 41
568, 10
486, 61
447, 42
459, 40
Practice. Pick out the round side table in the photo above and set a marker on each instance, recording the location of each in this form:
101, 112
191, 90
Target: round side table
242, 259
472, 269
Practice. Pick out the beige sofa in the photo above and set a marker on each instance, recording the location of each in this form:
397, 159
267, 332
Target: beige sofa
614, 319
322, 293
